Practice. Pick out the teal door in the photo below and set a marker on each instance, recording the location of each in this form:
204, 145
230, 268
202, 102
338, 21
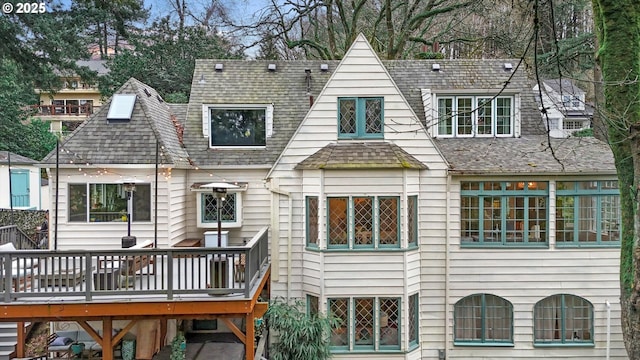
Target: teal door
20, 188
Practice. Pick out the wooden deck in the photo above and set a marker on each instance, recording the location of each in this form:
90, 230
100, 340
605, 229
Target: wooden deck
185, 283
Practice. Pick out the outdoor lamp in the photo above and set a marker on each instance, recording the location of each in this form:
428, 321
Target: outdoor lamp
129, 187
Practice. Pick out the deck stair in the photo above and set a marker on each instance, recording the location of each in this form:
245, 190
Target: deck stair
8, 339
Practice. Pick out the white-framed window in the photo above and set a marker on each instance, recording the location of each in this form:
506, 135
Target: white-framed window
230, 210
237, 125
575, 124
94, 202
469, 116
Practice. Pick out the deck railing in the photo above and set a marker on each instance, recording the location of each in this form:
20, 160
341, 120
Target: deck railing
13, 234
86, 109
31, 275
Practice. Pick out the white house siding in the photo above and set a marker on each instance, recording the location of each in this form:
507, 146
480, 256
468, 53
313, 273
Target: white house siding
524, 276
105, 235
178, 192
256, 202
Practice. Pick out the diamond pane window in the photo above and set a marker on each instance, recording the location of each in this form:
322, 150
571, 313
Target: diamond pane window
363, 218
363, 319
389, 322
388, 219
563, 319
483, 318
339, 308
412, 212
227, 209
312, 220
414, 319
360, 118
337, 221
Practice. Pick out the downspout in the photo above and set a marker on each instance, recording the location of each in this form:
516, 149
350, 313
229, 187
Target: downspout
608, 351
276, 190
447, 230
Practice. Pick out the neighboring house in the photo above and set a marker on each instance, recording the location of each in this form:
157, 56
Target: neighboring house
418, 201
71, 105
565, 107
20, 183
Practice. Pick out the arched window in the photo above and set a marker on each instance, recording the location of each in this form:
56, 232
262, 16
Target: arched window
563, 319
483, 318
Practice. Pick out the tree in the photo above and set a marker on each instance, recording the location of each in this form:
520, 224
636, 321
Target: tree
300, 336
617, 27
164, 60
326, 29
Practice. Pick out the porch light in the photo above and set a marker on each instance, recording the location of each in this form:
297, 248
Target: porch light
220, 190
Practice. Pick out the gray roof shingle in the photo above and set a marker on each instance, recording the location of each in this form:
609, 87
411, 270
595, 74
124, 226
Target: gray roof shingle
528, 154
15, 159
361, 155
97, 141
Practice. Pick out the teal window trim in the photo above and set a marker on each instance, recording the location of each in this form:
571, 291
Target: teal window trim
459, 118
412, 219
203, 205
485, 323
414, 334
313, 305
398, 223
352, 232
519, 231
311, 212
580, 198
344, 326
580, 337
361, 119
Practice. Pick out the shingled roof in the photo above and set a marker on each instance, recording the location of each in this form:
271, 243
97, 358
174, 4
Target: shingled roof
361, 155
99, 142
250, 82
15, 159
528, 154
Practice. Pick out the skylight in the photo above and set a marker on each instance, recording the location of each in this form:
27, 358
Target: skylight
121, 108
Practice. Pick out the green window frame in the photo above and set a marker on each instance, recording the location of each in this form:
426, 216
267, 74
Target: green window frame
587, 213
483, 319
373, 323
470, 116
414, 320
313, 305
312, 218
103, 202
363, 222
504, 213
360, 117
228, 211
563, 319
412, 221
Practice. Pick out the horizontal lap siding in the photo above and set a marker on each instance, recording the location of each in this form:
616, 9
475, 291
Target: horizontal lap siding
525, 276
105, 235
364, 274
178, 222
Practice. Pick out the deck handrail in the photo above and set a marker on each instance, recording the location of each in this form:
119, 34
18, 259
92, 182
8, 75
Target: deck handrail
79, 275
13, 234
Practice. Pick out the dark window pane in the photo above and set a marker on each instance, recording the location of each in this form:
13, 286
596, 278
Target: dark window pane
238, 127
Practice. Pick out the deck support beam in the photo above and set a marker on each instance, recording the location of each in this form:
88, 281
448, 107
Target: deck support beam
21, 339
249, 347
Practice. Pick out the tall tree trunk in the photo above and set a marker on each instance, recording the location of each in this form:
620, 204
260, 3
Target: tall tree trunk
618, 29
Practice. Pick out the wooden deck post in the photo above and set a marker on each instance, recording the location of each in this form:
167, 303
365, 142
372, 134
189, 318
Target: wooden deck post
249, 348
107, 338
21, 339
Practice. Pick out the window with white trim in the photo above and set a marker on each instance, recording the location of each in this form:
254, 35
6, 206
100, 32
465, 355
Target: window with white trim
230, 210
469, 116
237, 126
108, 203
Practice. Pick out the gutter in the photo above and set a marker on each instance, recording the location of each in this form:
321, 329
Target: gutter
274, 189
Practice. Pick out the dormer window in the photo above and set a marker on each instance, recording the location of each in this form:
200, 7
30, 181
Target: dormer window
360, 118
469, 116
237, 126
